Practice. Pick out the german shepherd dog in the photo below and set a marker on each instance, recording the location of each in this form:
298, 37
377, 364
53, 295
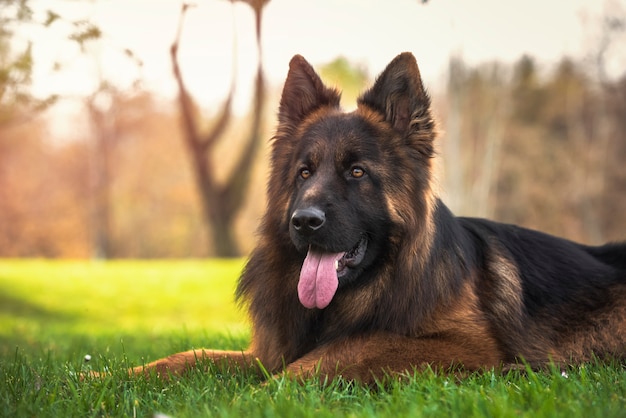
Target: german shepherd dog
361, 271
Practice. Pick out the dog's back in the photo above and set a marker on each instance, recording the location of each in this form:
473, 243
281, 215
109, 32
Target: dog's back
550, 297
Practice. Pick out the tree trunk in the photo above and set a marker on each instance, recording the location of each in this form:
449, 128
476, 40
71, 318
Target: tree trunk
220, 202
100, 217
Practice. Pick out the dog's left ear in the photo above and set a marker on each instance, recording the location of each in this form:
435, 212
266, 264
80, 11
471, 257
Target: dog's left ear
400, 96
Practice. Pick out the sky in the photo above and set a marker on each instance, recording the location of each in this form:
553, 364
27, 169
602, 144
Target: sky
367, 32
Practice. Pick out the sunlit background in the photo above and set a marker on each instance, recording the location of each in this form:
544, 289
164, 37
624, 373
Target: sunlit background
530, 98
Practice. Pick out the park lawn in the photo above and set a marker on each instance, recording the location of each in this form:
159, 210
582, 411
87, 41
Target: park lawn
47, 305
122, 313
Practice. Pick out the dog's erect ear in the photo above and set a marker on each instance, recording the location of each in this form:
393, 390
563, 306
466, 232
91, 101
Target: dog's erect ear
400, 96
303, 93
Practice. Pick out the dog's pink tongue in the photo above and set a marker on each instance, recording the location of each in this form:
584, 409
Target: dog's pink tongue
318, 279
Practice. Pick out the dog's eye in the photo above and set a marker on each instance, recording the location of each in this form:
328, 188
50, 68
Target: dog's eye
357, 172
305, 173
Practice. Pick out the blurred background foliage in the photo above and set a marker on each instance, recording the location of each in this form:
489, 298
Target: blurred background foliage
521, 143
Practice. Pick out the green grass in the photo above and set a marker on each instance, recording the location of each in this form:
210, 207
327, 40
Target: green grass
123, 313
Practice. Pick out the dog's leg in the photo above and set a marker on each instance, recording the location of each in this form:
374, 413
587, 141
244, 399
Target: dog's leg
367, 358
177, 364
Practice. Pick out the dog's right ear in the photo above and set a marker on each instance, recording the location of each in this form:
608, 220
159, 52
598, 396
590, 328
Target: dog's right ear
304, 92
399, 95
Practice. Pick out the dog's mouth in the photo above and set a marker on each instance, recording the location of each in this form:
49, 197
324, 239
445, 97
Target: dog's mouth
352, 258
321, 271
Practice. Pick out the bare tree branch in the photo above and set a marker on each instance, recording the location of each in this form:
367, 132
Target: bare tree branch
194, 138
221, 202
235, 188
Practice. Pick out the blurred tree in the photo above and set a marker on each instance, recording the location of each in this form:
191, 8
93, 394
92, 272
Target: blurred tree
16, 64
532, 149
41, 195
16, 103
46, 185
527, 94
104, 114
613, 204
351, 79
149, 167
221, 201
20, 192
479, 109
612, 33
16, 59
103, 111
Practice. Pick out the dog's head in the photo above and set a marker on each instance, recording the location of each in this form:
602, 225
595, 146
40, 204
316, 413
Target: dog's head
348, 183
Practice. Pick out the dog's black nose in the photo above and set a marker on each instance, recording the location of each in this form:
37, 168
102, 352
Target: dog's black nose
308, 220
